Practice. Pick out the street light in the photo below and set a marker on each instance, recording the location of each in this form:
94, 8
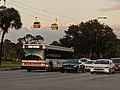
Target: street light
102, 17
96, 33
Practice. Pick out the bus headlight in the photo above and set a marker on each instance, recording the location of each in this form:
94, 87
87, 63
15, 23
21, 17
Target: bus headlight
42, 64
23, 63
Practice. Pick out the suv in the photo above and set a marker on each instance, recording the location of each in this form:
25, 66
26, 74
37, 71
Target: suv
72, 65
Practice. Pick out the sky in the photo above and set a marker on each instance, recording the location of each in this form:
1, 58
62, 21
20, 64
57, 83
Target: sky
66, 12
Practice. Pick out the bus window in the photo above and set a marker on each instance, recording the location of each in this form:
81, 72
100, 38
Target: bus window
32, 57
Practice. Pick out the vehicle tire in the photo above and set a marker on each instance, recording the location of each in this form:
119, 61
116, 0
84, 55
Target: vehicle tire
113, 72
76, 70
92, 72
62, 71
50, 68
97, 72
83, 70
28, 70
68, 71
109, 71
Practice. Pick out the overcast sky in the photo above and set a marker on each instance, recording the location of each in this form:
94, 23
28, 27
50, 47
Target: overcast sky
65, 11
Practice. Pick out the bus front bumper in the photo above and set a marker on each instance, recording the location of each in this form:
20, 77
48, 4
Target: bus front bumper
33, 68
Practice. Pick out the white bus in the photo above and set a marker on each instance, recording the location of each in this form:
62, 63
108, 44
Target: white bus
44, 57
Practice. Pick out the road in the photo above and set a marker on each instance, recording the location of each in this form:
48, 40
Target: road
40, 80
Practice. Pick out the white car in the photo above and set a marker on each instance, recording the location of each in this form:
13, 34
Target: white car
89, 64
83, 60
103, 66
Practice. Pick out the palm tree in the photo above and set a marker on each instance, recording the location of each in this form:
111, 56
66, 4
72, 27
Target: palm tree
9, 18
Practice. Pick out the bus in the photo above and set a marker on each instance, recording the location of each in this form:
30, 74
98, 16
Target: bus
44, 57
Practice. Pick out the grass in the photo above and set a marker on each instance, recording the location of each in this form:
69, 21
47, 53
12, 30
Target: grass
10, 64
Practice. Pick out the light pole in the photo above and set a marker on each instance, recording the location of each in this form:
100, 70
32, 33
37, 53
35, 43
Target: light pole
96, 33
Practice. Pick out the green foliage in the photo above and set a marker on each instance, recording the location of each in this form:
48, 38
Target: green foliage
90, 37
55, 43
9, 52
10, 64
9, 18
31, 39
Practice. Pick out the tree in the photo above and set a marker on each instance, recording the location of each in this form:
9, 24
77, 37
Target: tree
32, 39
9, 18
9, 50
90, 37
19, 47
38, 39
28, 38
55, 43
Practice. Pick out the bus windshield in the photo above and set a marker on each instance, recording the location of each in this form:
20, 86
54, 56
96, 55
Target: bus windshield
34, 54
32, 57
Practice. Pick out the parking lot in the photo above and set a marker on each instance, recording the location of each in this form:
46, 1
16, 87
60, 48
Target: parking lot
41, 80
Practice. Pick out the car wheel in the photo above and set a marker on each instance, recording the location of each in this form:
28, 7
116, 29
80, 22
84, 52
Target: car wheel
97, 72
113, 72
83, 70
76, 70
28, 70
68, 71
109, 71
62, 71
92, 72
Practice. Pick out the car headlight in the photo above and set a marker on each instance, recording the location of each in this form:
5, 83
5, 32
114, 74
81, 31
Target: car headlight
75, 66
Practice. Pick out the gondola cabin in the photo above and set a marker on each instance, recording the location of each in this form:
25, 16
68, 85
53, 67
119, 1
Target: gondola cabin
36, 25
54, 26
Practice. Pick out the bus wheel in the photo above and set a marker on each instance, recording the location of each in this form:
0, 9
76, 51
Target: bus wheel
28, 70
50, 68
61, 70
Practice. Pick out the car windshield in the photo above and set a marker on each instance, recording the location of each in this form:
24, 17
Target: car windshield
102, 62
71, 61
116, 60
89, 62
83, 60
